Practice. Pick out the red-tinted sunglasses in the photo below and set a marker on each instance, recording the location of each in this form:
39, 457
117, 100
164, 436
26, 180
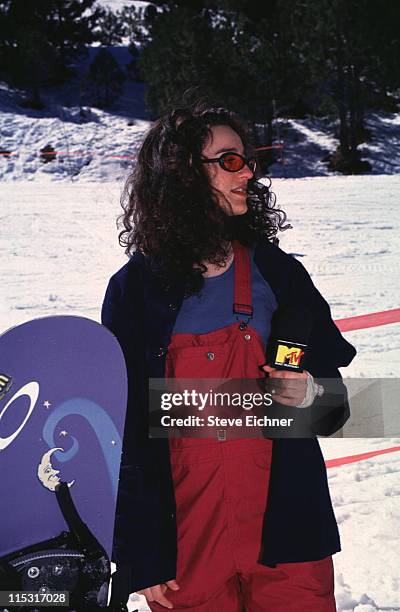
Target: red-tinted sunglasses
232, 162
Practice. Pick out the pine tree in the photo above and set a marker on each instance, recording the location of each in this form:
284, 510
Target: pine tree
207, 49
69, 26
133, 20
338, 52
174, 58
103, 83
231, 53
110, 27
293, 57
40, 39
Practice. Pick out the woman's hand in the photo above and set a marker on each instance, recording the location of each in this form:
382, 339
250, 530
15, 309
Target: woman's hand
287, 387
156, 593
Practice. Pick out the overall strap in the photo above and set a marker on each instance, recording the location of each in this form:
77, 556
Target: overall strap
242, 303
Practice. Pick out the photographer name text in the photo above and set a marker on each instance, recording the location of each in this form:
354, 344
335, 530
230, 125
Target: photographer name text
214, 421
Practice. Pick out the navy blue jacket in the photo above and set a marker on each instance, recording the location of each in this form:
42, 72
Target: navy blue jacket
299, 524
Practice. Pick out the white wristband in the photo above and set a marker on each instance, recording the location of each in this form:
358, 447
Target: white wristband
313, 390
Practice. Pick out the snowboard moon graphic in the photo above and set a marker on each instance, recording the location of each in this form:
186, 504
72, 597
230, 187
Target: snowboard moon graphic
63, 391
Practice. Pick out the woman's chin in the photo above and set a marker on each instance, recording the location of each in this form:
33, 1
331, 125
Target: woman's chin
234, 207
239, 209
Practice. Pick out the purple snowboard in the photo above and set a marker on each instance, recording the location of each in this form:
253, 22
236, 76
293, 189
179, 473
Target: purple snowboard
63, 390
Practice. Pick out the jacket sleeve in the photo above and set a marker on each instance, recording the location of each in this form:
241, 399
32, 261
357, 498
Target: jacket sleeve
111, 308
327, 352
144, 544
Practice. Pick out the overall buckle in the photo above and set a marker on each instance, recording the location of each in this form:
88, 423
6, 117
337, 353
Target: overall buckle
221, 435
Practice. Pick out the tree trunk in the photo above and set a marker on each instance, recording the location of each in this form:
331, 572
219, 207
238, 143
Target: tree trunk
36, 100
353, 120
341, 92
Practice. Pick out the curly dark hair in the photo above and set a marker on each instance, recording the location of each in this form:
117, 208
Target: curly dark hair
171, 213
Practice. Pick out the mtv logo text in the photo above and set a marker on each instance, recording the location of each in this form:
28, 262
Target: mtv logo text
289, 355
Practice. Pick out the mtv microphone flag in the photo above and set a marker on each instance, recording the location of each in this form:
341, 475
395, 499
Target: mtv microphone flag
290, 333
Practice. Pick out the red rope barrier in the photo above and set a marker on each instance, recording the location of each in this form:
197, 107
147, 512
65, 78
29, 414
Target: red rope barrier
277, 146
70, 154
373, 319
360, 457
82, 153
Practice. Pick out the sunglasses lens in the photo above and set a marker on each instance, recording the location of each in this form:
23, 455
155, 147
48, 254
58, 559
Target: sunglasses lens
232, 162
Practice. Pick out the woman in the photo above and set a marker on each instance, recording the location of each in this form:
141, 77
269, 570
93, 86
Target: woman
216, 524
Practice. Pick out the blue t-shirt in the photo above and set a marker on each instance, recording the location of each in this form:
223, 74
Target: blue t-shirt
212, 308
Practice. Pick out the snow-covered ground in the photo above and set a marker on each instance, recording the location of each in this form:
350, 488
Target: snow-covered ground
117, 5
100, 145
100, 148
103, 145
308, 141
58, 247
346, 233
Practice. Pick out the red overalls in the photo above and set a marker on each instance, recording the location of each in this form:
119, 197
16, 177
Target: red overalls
221, 490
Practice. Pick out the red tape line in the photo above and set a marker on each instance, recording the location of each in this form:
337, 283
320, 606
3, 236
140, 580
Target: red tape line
277, 146
121, 156
352, 458
373, 319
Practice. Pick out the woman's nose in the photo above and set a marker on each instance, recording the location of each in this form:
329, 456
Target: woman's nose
245, 172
